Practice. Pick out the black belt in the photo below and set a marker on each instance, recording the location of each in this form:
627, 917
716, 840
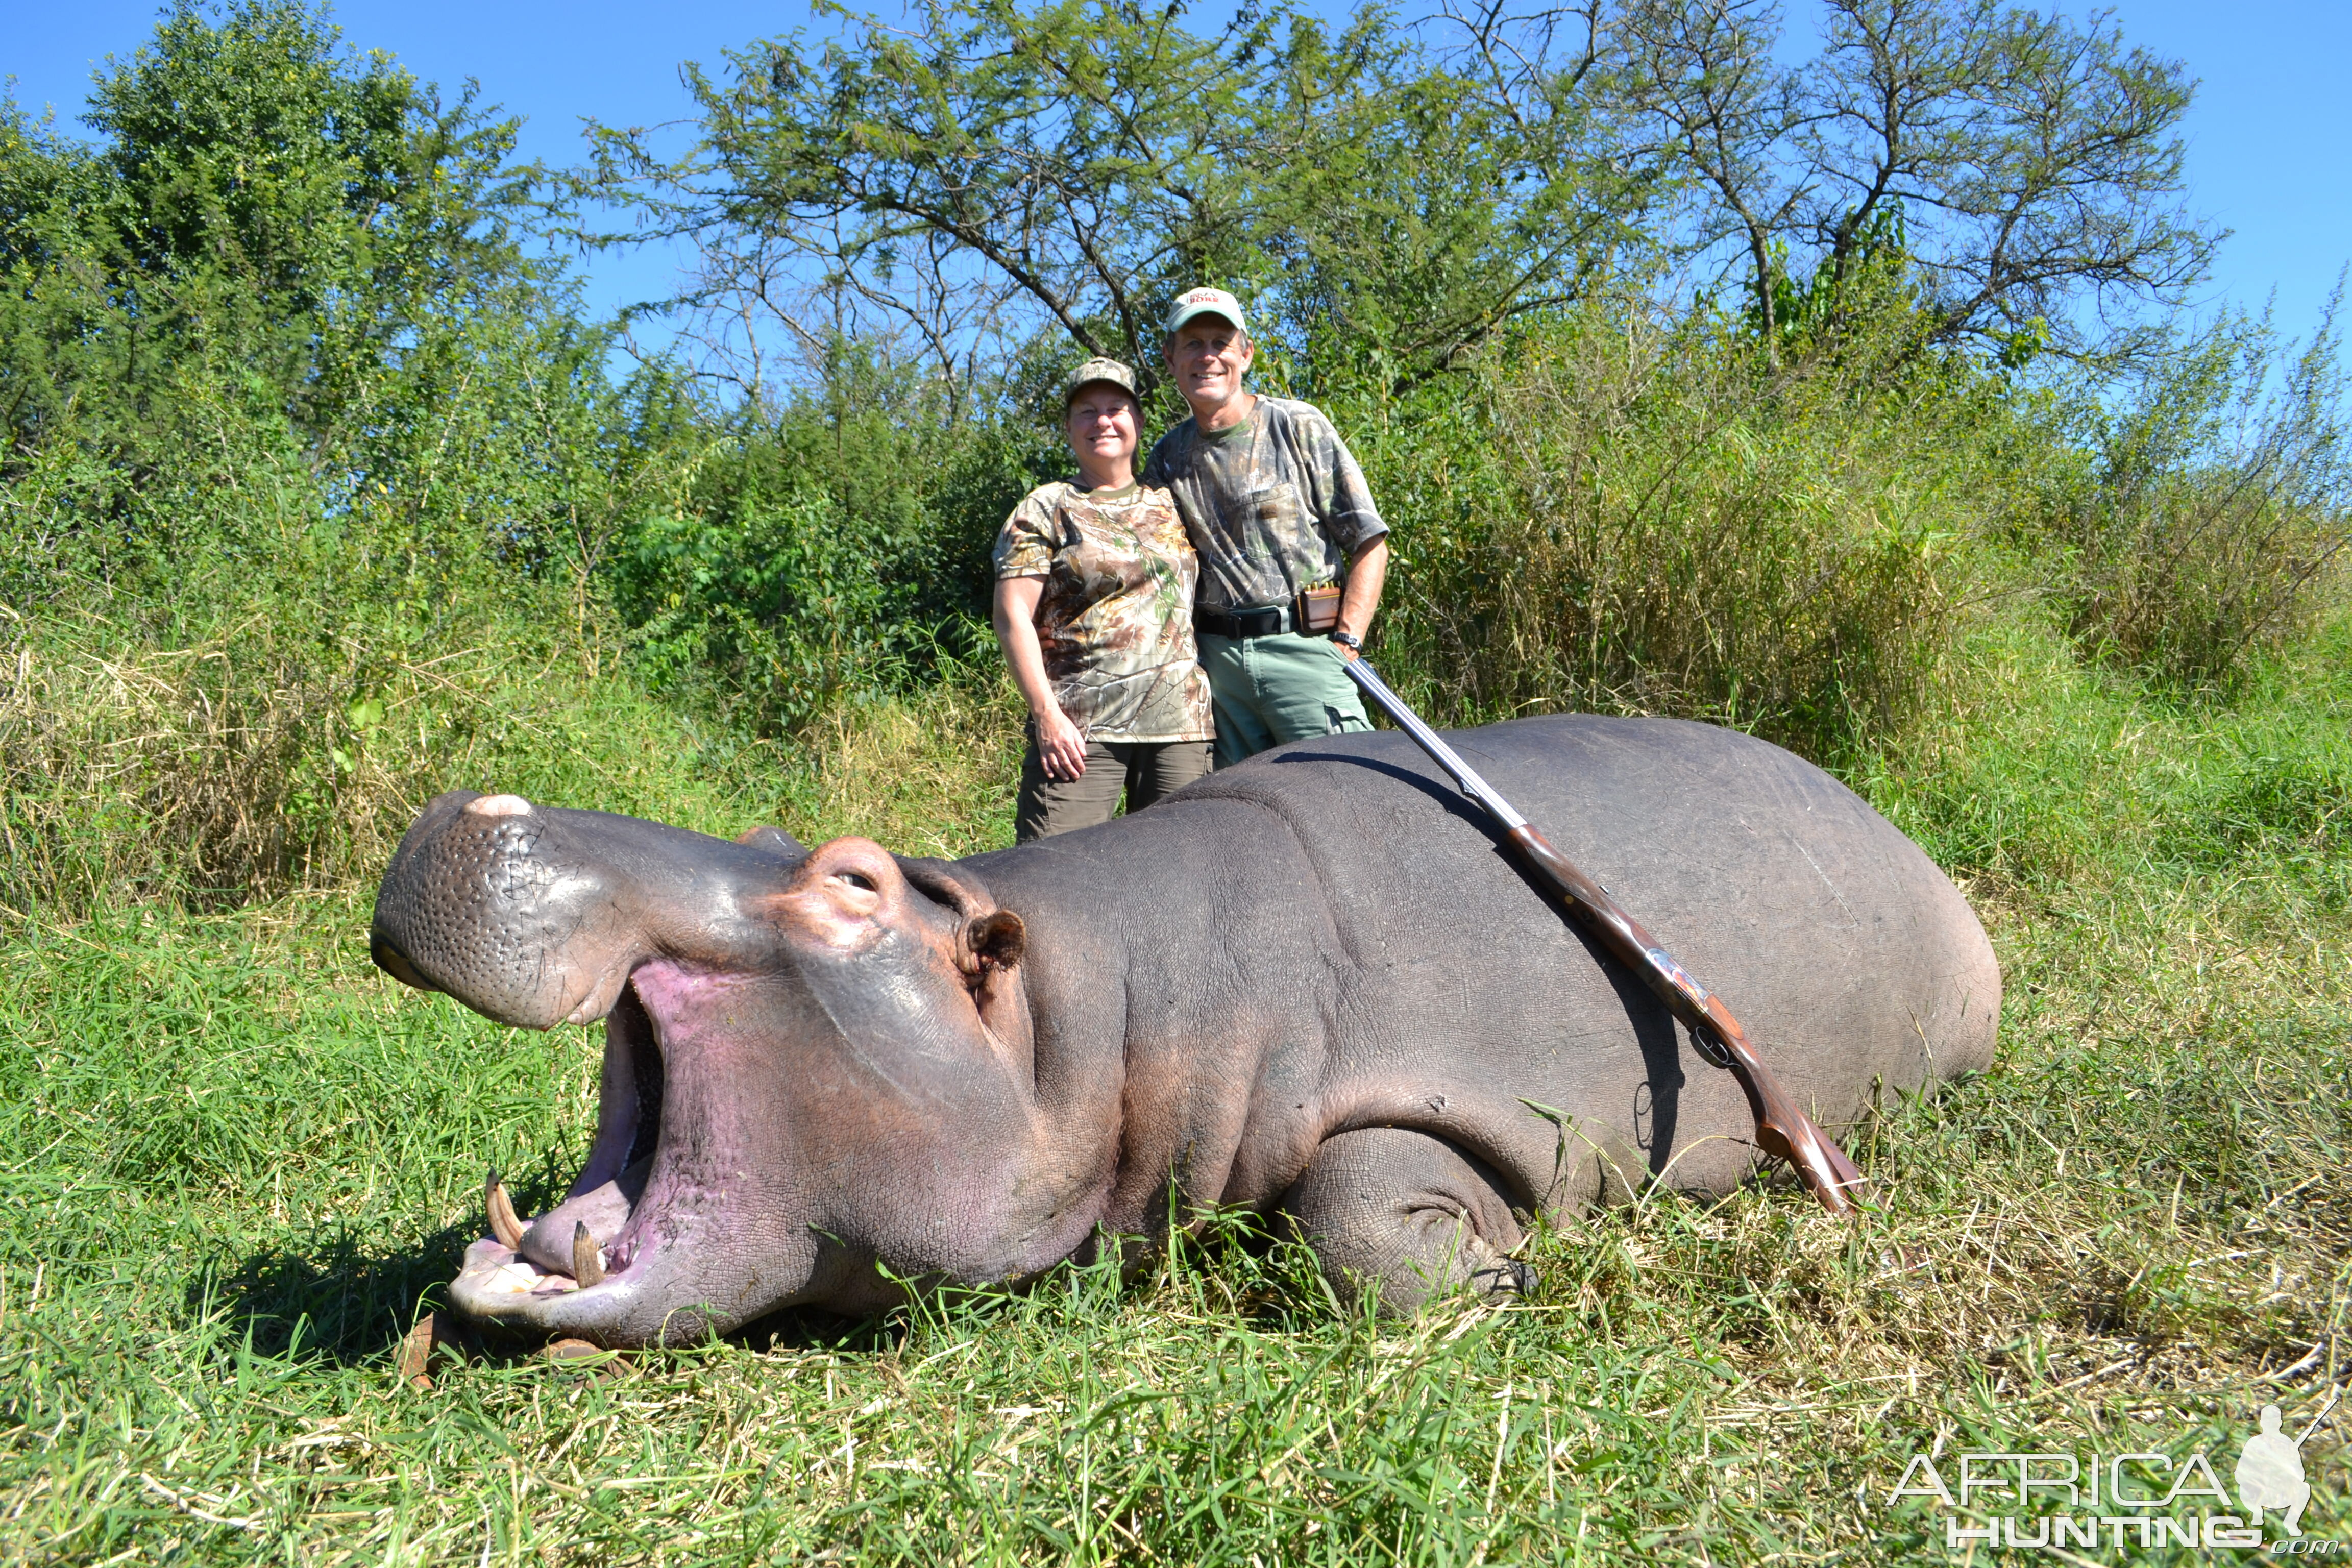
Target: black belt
1263, 623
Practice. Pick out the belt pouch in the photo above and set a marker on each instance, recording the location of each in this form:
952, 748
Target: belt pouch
1318, 610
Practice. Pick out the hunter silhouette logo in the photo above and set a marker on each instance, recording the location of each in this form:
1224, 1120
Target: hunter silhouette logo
2270, 1473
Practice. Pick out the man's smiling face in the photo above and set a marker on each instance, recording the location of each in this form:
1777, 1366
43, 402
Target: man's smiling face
1208, 355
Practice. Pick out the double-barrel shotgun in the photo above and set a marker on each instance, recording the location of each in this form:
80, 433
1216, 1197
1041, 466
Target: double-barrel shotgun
1782, 1129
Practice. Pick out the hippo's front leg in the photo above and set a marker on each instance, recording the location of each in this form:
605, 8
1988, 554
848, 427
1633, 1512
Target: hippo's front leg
1407, 1217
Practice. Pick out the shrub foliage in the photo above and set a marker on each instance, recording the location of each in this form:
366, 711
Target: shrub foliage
1626, 517
319, 495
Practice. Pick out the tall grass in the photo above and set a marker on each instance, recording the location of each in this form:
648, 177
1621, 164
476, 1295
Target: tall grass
2201, 525
252, 764
253, 759
1631, 515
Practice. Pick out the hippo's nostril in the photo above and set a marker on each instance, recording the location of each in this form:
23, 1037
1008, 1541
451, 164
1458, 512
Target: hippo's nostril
395, 962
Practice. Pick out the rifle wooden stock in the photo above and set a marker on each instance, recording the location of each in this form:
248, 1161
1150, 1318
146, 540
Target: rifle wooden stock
1782, 1129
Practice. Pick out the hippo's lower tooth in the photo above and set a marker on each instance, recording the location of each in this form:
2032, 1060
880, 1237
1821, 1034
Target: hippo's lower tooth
503, 1222
586, 1267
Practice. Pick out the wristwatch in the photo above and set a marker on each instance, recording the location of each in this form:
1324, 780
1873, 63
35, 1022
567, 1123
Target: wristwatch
1349, 639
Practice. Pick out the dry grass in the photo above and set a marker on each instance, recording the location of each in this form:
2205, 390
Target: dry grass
932, 774
259, 762
2213, 527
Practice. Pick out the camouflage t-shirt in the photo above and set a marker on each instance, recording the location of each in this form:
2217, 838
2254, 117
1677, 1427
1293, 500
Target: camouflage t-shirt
1115, 618
1274, 504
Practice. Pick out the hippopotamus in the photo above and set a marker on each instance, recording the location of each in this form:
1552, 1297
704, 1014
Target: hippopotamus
1313, 985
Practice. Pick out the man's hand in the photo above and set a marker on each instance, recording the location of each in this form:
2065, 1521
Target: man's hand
1060, 746
1367, 571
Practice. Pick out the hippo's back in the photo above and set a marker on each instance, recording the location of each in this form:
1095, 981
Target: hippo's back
1851, 960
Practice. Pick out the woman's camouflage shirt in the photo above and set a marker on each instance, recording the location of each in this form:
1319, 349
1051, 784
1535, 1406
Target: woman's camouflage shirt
1115, 618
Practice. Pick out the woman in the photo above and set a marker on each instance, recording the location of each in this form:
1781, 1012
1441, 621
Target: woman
1094, 611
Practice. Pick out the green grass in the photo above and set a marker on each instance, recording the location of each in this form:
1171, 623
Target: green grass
236, 1163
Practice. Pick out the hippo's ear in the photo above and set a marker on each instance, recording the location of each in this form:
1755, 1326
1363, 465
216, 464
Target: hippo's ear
993, 940
989, 945
986, 937
988, 951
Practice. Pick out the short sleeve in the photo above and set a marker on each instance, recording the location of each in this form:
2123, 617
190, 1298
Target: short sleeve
1025, 545
1157, 467
1342, 499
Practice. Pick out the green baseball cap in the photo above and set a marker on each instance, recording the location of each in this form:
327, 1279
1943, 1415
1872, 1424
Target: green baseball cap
1205, 302
1098, 369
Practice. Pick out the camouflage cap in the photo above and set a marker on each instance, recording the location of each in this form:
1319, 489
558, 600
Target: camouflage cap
1205, 302
1098, 369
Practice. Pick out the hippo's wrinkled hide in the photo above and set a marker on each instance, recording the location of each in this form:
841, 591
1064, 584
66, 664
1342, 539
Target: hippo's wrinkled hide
1314, 982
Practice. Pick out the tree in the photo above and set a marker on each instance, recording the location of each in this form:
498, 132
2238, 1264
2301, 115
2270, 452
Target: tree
285, 301
997, 170
2024, 166
259, 195
1391, 194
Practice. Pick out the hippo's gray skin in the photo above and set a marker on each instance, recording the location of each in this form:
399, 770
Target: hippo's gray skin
1314, 982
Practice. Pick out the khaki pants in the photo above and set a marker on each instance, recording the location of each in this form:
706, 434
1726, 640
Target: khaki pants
1144, 769
1272, 689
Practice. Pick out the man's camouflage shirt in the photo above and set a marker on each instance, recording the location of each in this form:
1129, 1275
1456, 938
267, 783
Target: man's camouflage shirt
1115, 618
1274, 504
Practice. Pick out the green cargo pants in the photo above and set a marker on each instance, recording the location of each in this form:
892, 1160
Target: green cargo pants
1270, 689
1143, 771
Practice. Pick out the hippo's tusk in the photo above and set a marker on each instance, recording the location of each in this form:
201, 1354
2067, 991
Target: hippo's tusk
587, 1266
503, 1222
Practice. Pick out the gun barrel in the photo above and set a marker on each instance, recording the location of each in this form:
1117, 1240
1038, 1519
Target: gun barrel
1428, 739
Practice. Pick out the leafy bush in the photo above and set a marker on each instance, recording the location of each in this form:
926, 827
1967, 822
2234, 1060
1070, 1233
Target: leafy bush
832, 551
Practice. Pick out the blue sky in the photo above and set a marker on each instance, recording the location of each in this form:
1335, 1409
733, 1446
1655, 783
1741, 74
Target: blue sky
2267, 151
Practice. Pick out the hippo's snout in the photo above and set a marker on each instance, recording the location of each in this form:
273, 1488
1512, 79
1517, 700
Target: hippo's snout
536, 914
777, 1022
486, 900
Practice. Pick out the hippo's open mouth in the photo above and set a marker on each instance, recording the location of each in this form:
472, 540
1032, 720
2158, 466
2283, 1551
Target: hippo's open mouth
780, 1025
604, 1233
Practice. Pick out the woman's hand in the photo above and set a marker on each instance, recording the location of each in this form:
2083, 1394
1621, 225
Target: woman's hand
1060, 746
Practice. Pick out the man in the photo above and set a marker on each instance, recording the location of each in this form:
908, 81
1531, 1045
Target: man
1276, 505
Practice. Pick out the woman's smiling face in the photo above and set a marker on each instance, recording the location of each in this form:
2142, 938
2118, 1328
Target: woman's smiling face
1101, 426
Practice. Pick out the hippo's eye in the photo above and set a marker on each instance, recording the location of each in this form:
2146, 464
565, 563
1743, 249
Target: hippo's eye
856, 879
